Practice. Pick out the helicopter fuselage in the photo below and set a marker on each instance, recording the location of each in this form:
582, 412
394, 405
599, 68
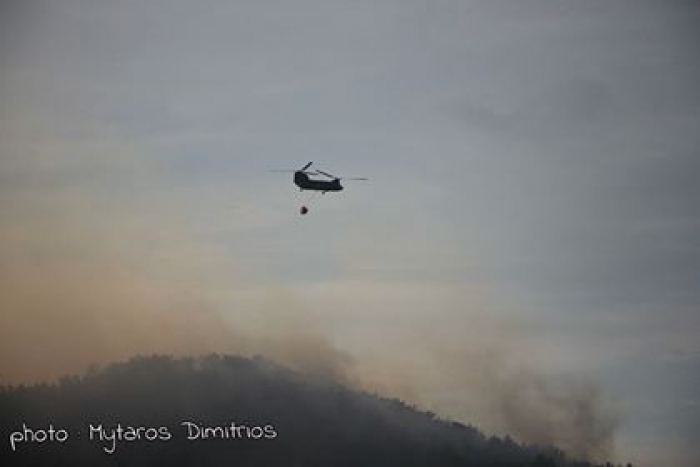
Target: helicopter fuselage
304, 182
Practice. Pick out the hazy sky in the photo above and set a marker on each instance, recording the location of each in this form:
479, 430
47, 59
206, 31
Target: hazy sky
533, 195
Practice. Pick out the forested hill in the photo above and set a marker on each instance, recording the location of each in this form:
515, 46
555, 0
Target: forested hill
233, 411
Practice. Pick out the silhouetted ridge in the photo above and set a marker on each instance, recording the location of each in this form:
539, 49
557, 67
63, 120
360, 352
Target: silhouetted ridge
253, 411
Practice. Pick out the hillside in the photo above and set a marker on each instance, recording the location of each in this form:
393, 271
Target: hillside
228, 410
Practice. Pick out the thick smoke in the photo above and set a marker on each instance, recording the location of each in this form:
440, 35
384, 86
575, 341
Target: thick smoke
487, 373
526, 403
566, 413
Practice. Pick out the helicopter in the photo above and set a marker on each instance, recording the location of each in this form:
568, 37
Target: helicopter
303, 180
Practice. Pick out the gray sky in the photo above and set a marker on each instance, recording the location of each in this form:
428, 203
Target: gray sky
533, 173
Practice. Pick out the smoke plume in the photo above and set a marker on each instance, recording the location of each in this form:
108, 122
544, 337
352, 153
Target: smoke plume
74, 295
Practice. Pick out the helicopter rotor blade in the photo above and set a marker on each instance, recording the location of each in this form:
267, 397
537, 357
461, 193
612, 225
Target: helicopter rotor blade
316, 172
339, 178
327, 174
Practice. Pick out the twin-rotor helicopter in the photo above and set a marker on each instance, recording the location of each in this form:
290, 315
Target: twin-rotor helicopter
303, 179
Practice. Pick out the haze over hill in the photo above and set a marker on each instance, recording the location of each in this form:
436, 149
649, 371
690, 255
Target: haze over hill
457, 361
224, 410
